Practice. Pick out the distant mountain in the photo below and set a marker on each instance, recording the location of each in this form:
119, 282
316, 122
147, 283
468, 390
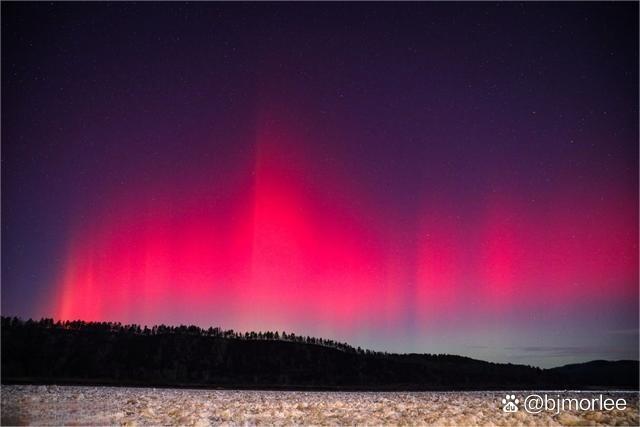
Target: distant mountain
620, 373
107, 353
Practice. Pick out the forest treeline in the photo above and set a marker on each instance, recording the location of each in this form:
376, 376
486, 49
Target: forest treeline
215, 332
77, 352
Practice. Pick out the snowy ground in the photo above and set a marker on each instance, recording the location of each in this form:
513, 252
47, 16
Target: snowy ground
62, 405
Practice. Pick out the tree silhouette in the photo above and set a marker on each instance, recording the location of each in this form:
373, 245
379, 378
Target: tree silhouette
113, 353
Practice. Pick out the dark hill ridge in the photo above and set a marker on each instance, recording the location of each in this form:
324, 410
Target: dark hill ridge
603, 372
106, 353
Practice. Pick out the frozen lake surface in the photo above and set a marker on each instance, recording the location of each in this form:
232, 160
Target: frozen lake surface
71, 405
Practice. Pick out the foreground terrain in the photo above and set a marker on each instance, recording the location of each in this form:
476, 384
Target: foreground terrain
65, 405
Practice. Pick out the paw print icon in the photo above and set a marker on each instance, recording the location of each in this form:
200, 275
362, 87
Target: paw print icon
510, 403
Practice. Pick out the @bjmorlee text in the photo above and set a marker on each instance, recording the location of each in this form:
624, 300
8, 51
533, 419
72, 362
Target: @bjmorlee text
537, 403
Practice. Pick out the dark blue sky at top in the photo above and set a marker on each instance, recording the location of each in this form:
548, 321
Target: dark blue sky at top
453, 100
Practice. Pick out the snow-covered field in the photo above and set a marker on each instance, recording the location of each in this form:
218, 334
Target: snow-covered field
70, 405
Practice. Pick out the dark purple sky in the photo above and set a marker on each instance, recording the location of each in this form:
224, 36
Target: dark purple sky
439, 177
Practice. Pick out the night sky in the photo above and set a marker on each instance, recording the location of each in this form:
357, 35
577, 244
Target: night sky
435, 177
